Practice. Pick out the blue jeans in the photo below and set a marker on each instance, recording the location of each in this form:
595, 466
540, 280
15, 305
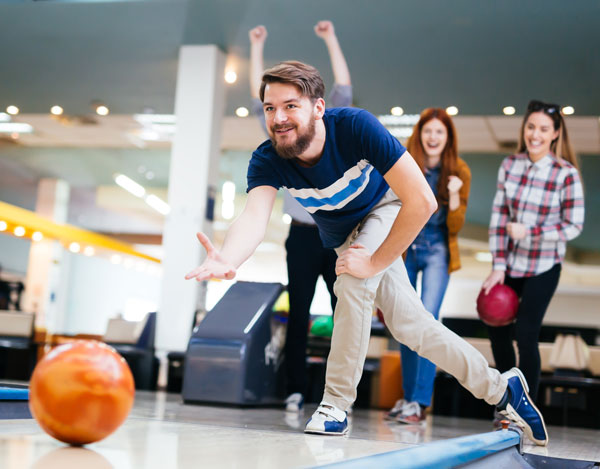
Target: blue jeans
429, 255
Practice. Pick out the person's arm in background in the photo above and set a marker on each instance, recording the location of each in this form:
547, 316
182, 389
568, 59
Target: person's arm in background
257, 36
498, 234
341, 93
242, 239
458, 195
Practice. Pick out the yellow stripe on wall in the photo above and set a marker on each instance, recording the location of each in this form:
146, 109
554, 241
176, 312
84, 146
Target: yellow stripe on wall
63, 232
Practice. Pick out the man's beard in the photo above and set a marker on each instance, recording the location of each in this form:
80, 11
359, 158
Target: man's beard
295, 149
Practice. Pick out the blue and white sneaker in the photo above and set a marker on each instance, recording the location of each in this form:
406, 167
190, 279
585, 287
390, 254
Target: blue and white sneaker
521, 409
294, 402
327, 420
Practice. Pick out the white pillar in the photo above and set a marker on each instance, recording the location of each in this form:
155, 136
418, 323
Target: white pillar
47, 271
199, 108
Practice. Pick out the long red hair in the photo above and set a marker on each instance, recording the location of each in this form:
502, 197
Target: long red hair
449, 154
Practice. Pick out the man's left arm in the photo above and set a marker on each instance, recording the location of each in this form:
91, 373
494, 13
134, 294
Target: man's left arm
406, 179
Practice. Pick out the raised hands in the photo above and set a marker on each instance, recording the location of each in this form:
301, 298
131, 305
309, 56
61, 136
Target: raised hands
324, 29
213, 266
454, 183
258, 35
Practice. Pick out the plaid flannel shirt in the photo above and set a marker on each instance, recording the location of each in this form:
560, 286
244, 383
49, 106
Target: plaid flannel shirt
545, 196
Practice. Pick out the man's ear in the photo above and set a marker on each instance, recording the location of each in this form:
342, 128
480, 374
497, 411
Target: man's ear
319, 108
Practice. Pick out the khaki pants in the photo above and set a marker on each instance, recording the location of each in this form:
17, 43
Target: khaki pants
405, 317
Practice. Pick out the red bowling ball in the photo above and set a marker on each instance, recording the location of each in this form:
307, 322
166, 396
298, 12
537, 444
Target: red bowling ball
499, 307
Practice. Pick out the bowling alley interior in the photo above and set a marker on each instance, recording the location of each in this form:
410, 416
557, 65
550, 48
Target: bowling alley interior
128, 126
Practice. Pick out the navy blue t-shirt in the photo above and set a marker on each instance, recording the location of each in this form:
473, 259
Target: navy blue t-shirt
345, 183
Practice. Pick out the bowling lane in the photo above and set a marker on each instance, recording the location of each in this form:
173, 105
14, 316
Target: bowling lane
162, 432
144, 443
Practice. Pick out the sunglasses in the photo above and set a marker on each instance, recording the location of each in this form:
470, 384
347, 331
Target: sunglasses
535, 106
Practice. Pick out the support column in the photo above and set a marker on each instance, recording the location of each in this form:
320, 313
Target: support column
199, 108
47, 271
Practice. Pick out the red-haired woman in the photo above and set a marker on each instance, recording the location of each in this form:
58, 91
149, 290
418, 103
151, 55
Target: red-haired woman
538, 207
434, 252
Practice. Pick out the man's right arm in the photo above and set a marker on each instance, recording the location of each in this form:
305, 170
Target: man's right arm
243, 237
248, 230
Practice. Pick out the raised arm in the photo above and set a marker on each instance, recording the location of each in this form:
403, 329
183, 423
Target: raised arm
258, 36
242, 239
341, 73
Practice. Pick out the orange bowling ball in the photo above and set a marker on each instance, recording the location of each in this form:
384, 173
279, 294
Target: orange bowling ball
81, 392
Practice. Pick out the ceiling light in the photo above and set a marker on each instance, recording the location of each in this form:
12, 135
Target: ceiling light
286, 219
147, 119
19, 231
74, 247
89, 251
158, 204
230, 76
12, 110
568, 110
228, 191
102, 110
396, 111
37, 236
130, 185
242, 112
3, 225
18, 127
149, 175
56, 110
508, 110
227, 209
452, 110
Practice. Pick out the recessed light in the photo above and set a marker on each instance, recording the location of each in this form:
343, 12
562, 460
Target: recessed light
230, 76
56, 110
102, 110
396, 111
12, 110
19, 231
452, 110
568, 110
242, 112
89, 251
3, 225
37, 236
74, 247
508, 110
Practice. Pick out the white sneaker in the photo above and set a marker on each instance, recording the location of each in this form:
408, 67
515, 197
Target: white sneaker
411, 414
327, 420
294, 402
396, 410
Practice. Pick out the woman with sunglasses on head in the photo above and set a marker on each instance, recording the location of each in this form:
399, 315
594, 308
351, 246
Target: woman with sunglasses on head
538, 207
434, 252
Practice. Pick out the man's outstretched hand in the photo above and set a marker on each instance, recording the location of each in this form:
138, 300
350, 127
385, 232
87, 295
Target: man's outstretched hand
213, 266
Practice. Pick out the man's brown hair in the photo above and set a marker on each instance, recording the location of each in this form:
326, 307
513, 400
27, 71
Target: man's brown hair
303, 76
